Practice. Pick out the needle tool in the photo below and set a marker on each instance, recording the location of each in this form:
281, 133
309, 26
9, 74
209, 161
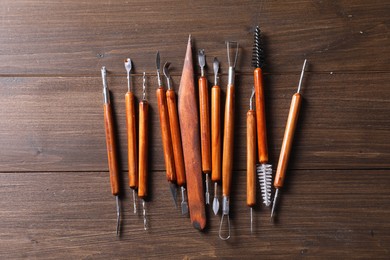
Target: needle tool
131, 135
143, 151
111, 147
285, 151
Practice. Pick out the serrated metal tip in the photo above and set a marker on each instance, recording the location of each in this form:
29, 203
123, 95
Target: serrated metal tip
258, 50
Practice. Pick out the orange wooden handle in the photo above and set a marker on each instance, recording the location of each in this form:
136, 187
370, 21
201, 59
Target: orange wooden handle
260, 114
131, 140
204, 125
143, 150
176, 138
166, 135
251, 158
287, 140
111, 149
216, 134
228, 135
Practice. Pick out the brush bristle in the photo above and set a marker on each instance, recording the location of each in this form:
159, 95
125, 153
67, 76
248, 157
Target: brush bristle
258, 50
264, 172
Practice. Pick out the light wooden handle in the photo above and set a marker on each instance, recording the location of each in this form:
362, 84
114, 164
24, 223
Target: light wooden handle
260, 114
204, 125
143, 149
251, 158
287, 140
111, 149
228, 135
176, 138
166, 135
131, 140
216, 134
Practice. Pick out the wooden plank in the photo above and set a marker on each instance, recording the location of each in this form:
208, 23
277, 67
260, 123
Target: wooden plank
77, 37
56, 124
72, 215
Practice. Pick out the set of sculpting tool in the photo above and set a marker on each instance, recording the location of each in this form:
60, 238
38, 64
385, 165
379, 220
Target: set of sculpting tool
191, 131
138, 165
171, 139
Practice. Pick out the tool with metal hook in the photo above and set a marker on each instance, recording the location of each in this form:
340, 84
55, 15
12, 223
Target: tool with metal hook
176, 139
143, 151
131, 135
285, 151
251, 157
204, 123
216, 156
228, 141
111, 147
166, 133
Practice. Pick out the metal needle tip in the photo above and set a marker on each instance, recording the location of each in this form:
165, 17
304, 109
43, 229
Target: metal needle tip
274, 204
134, 202
251, 211
117, 216
302, 72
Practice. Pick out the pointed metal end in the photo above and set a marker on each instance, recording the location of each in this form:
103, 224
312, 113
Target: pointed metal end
207, 197
134, 202
215, 206
251, 211
172, 187
166, 69
118, 214
274, 204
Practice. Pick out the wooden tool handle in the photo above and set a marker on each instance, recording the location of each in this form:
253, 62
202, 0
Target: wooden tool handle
131, 140
228, 141
176, 139
189, 126
216, 134
251, 158
143, 149
166, 135
111, 149
260, 114
204, 125
287, 140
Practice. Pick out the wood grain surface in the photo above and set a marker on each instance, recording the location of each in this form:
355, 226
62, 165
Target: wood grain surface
54, 182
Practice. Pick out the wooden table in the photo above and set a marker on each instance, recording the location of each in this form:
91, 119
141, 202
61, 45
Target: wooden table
54, 186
